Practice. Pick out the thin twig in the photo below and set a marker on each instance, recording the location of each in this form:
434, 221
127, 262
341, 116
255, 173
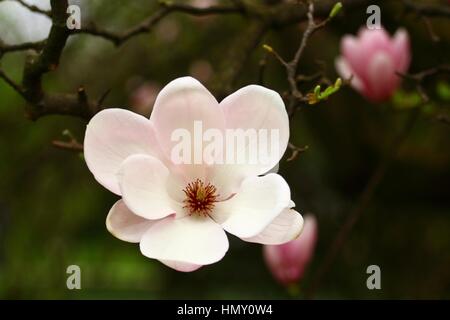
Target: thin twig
120, 38
420, 77
11, 83
34, 8
444, 118
146, 25
427, 10
296, 151
292, 66
261, 18
72, 145
5, 48
434, 37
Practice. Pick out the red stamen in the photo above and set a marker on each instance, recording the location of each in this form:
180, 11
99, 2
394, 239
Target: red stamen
200, 198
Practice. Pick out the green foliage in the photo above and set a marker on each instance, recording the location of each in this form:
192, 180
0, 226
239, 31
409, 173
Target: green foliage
443, 90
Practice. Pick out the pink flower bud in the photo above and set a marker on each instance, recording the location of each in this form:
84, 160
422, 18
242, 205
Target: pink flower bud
373, 58
288, 262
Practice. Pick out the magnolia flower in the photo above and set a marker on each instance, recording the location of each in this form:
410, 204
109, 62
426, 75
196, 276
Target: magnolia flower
373, 60
288, 262
179, 213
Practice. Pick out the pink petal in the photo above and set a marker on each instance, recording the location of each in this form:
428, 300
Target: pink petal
346, 72
284, 228
143, 182
184, 242
374, 40
111, 136
288, 261
382, 77
352, 52
401, 50
125, 225
258, 202
358, 52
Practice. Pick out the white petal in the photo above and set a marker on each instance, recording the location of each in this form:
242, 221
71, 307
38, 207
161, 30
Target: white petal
285, 227
183, 105
189, 240
258, 202
181, 266
111, 136
143, 182
125, 225
257, 108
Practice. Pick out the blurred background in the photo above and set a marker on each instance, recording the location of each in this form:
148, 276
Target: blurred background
52, 211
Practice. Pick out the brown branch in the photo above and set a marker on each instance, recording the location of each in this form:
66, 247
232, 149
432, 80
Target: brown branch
261, 18
62, 104
72, 145
420, 77
291, 67
120, 38
5, 48
423, 75
296, 151
444, 118
38, 64
146, 25
11, 83
427, 10
34, 8
48, 60
434, 37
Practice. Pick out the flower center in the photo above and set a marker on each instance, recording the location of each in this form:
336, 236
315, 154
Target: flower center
200, 198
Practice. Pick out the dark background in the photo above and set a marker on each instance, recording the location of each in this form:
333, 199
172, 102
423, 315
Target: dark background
52, 212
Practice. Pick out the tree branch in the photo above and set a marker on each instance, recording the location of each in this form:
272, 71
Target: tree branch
295, 95
120, 38
261, 17
427, 10
48, 60
34, 8
420, 77
11, 83
72, 145
146, 25
4, 48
